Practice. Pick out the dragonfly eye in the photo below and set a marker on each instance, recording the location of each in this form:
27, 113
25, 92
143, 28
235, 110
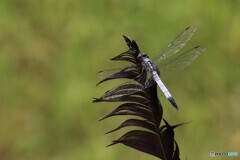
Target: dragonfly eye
141, 55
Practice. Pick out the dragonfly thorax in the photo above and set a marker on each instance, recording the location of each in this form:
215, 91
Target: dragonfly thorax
146, 62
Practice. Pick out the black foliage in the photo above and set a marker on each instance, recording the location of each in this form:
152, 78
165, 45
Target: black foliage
143, 104
130, 72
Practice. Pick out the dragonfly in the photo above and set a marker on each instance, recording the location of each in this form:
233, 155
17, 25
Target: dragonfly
168, 62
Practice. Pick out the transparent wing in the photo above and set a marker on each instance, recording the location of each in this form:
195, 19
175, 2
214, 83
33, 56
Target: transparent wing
178, 43
128, 88
106, 73
178, 63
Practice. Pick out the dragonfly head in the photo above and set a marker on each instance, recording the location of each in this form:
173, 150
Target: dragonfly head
141, 55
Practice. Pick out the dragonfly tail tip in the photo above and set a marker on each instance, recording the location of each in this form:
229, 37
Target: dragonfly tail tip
172, 101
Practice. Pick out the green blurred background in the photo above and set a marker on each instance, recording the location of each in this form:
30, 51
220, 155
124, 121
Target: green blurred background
50, 51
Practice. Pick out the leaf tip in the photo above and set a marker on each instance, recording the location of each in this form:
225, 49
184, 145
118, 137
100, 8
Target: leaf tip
95, 100
113, 143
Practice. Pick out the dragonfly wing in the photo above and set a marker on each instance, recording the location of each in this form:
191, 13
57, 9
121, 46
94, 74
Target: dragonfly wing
126, 89
133, 86
178, 63
106, 73
135, 72
178, 43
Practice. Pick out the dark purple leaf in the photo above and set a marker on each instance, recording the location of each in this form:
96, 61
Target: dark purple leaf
168, 139
141, 102
135, 122
123, 74
122, 99
128, 41
127, 86
130, 72
176, 152
154, 103
126, 56
123, 94
124, 90
136, 105
135, 110
178, 125
135, 47
144, 141
142, 77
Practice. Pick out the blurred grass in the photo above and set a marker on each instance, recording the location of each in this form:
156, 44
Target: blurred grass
50, 51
